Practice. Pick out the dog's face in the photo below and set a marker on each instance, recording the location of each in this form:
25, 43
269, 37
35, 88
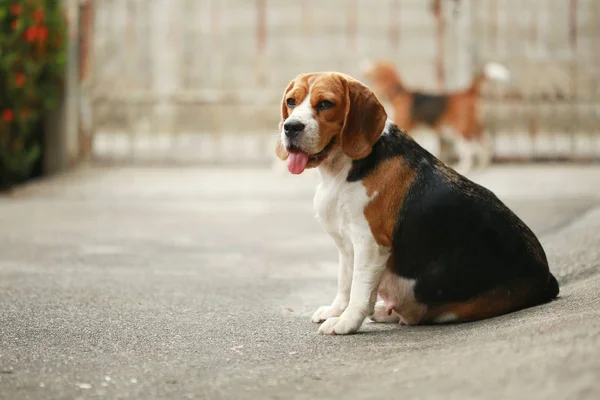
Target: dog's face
324, 111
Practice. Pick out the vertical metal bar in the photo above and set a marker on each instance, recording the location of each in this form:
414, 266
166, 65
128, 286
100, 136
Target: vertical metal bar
461, 26
436, 9
533, 116
594, 17
502, 34
216, 62
493, 26
215, 25
146, 33
305, 12
130, 43
475, 32
573, 5
394, 24
261, 40
574, 125
132, 106
439, 62
352, 26
533, 26
177, 28
594, 22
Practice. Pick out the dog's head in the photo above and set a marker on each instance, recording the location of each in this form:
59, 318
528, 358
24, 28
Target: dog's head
382, 74
324, 111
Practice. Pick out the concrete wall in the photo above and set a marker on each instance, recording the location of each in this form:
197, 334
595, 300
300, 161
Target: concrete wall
177, 77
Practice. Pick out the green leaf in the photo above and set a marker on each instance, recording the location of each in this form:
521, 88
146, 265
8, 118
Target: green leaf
44, 72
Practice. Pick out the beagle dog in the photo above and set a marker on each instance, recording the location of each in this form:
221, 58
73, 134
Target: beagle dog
435, 246
454, 115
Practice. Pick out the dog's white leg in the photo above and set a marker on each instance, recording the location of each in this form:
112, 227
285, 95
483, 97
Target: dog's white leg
484, 155
369, 264
466, 152
346, 259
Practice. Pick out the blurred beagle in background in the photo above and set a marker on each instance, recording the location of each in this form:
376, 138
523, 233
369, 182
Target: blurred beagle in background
453, 115
434, 245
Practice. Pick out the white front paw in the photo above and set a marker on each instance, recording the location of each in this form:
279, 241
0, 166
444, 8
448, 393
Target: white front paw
326, 312
340, 326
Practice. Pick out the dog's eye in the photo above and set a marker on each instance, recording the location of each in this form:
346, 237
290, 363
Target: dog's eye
291, 102
324, 105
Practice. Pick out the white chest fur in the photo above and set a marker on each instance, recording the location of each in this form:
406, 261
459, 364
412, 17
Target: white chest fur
339, 205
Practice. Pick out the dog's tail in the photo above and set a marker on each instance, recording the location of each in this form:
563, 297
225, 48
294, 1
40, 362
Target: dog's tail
491, 70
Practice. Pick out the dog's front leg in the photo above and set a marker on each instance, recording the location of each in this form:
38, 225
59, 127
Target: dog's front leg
346, 260
369, 264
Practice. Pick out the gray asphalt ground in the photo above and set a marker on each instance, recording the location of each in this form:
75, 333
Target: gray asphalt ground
157, 283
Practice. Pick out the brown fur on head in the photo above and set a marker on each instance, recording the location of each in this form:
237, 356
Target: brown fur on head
337, 110
384, 76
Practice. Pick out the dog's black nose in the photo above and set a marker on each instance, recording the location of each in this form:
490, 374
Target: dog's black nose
293, 128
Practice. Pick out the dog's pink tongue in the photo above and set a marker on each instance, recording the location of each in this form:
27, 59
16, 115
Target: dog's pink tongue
297, 162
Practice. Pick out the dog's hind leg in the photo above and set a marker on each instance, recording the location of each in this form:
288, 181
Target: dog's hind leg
485, 150
384, 313
499, 301
467, 150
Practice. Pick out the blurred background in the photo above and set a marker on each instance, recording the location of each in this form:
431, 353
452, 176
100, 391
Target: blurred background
165, 259
200, 81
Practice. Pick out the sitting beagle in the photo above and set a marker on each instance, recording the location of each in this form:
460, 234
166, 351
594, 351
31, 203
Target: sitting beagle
435, 246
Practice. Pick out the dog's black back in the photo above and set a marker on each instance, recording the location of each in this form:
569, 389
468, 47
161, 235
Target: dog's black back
428, 108
455, 238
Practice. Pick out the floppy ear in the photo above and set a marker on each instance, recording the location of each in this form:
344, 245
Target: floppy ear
279, 149
364, 121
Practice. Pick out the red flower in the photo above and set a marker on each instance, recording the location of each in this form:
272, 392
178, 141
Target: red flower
15, 9
31, 33
42, 33
20, 79
38, 16
15, 24
7, 115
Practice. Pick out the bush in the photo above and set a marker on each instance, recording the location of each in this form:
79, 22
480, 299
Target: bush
32, 60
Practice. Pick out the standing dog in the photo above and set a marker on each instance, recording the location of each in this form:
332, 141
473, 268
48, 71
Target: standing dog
434, 245
453, 115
